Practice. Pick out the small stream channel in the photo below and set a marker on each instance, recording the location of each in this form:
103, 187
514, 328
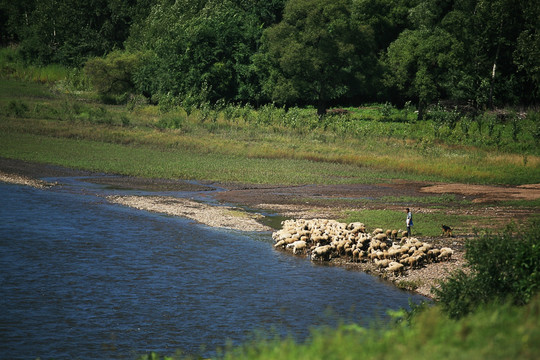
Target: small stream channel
83, 278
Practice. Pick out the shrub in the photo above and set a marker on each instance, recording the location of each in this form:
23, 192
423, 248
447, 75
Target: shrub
17, 108
172, 121
502, 267
112, 75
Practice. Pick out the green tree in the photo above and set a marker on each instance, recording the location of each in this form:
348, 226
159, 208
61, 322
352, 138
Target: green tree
387, 18
526, 55
70, 31
488, 31
113, 75
420, 63
14, 17
317, 53
200, 51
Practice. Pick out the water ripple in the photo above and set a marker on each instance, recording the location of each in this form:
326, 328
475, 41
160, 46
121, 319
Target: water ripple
85, 279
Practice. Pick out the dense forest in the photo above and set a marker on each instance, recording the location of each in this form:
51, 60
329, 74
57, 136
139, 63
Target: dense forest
477, 54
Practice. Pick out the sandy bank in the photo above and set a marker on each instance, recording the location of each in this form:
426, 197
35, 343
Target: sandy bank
23, 180
215, 216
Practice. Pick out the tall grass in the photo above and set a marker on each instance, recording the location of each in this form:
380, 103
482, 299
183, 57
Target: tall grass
148, 161
12, 67
109, 127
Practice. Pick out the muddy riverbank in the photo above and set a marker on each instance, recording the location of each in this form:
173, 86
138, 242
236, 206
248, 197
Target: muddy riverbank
309, 201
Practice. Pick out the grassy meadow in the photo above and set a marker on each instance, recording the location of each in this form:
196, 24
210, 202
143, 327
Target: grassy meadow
269, 145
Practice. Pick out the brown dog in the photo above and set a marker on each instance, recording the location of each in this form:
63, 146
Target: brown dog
447, 230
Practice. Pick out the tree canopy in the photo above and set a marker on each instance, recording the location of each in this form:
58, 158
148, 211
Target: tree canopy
318, 52
308, 52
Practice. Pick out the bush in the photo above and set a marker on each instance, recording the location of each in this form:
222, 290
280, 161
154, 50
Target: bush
113, 74
502, 267
172, 121
17, 108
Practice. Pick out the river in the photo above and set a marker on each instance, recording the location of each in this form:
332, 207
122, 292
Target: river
83, 278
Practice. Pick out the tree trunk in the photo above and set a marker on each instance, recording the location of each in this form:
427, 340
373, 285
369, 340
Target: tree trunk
321, 108
421, 110
492, 85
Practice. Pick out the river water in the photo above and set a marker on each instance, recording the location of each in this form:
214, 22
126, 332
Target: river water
82, 278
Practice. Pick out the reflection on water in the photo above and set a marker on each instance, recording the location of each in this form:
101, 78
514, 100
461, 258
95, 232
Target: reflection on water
85, 279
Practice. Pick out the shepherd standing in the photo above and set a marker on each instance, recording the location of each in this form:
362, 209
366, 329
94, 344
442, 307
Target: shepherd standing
409, 222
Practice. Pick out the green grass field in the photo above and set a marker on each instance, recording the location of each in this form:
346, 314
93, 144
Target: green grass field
239, 145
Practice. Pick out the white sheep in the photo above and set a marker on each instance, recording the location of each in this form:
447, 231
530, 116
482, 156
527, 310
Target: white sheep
322, 252
395, 267
446, 253
297, 246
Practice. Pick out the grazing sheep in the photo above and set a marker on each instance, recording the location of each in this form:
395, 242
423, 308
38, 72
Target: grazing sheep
321, 252
395, 267
382, 263
413, 262
393, 252
425, 247
297, 246
379, 236
357, 227
280, 243
433, 254
358, 255
446, 253
324, 239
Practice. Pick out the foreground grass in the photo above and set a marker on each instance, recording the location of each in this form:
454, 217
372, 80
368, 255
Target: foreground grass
493, 332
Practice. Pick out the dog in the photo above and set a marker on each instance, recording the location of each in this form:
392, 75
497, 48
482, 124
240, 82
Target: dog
447, 230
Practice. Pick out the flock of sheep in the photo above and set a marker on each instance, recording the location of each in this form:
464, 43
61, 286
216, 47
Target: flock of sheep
323, 239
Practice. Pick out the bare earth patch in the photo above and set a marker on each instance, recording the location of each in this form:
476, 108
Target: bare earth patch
485, 193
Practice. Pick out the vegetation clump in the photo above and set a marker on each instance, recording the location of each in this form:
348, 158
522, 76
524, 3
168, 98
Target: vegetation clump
502, 267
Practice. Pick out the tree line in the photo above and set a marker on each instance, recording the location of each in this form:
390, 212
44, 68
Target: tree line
476, 53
